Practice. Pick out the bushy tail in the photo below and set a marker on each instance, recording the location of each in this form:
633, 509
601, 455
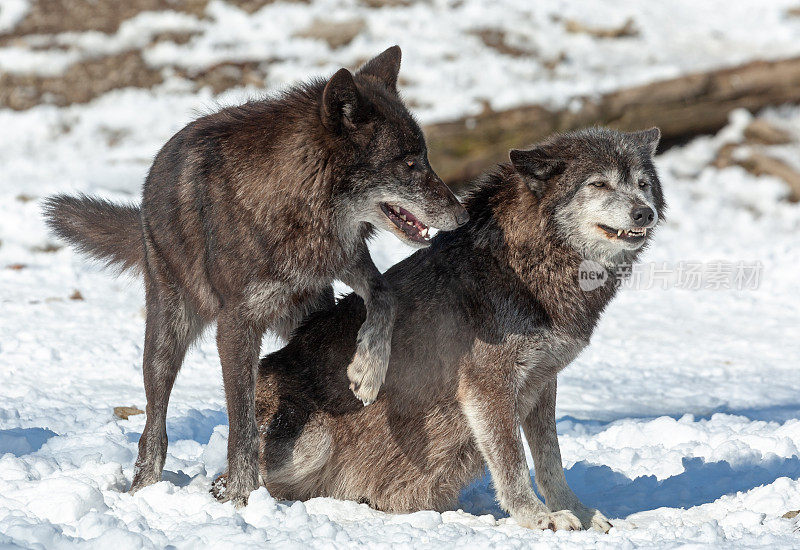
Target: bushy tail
106, 231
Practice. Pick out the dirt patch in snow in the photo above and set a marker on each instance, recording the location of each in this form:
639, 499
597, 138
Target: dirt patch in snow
57, 16
80, 83
335, 33
91, 77
498, 40
757, 156
625, 30
125, 412
252, 6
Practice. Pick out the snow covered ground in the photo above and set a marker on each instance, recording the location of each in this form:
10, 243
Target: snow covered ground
681, 421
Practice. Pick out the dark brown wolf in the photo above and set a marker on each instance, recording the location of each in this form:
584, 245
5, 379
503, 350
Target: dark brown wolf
247, 217
487, 316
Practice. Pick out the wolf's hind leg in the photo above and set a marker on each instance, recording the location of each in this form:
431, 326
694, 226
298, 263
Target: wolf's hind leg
293, 465
540, 429
171, 327
367, 370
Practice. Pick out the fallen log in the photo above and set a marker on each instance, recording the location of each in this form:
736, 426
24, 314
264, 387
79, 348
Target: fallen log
682, 107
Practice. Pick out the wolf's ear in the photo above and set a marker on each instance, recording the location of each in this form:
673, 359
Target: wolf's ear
340, 101
385, 67
537, 165
648, 139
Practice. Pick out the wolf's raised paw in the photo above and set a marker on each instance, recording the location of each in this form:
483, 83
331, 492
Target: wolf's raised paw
563, 520
366, 373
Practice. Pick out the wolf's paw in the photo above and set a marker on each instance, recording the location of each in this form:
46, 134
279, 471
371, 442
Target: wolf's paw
591, 518
563, 520
239, 501
220, 491
219, 487
600, 522
143, 478
366, 372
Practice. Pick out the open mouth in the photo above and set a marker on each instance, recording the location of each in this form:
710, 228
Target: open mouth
411, 227
634, 235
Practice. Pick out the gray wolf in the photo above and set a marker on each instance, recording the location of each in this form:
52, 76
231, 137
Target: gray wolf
487, 316
247, 217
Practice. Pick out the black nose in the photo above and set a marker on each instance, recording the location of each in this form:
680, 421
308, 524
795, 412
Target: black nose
642, 215
462, 217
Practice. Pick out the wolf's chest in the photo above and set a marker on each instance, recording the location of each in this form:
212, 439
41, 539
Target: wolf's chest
539, 361
546, 353
269, 297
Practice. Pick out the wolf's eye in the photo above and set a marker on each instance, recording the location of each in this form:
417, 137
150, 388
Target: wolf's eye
643, 183
599, 184
410, 163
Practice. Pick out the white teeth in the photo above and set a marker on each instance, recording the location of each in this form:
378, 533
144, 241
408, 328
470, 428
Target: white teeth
422, 231
619, 232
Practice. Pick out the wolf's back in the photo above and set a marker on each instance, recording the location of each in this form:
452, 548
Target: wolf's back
106, 231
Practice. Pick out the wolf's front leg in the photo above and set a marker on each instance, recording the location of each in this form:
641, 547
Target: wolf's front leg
490, 410
238, 343
367, 370
540, 429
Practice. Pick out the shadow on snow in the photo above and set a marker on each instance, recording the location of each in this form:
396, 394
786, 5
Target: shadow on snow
618, 496
23, 441
597, 486
196, 425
